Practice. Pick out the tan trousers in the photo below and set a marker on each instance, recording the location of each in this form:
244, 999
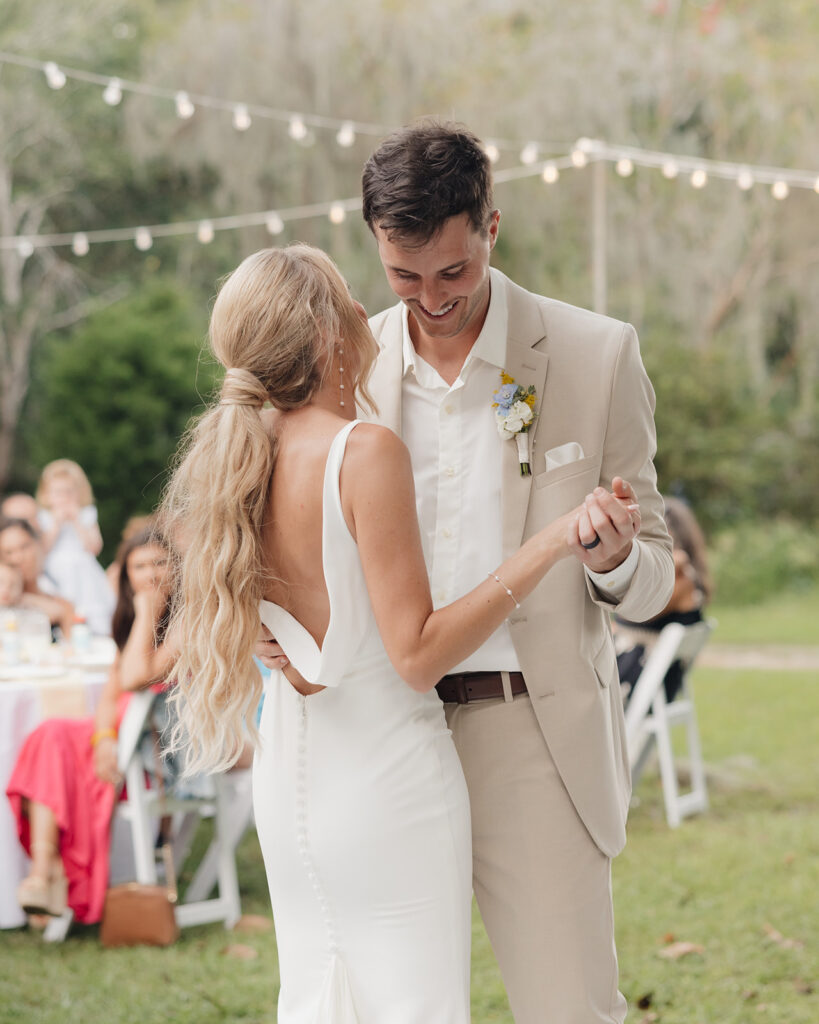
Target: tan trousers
543, 887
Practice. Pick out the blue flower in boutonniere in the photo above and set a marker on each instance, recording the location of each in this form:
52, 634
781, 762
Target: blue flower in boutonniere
514, 414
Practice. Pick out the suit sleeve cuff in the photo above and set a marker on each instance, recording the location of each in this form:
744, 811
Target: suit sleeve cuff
615, 583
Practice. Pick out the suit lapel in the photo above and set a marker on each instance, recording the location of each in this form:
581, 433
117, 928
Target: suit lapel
528, 366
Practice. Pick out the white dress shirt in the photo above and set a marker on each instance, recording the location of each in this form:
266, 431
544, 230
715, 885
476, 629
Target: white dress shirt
457, 455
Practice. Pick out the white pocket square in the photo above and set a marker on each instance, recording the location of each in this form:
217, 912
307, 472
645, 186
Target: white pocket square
563, 455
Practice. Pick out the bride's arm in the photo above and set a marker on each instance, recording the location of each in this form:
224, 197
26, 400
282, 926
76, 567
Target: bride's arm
378, 497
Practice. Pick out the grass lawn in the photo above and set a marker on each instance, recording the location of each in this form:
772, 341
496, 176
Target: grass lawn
789, 617
740, 882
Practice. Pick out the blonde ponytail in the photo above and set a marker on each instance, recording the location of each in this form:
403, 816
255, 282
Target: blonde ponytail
273, 323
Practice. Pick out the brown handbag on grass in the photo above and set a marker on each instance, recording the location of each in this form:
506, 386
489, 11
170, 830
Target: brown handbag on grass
138, 914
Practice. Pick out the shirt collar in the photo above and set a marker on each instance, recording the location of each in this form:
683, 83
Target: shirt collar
490, 345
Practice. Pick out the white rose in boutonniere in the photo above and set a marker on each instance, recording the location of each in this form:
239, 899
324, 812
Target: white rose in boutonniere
514, 414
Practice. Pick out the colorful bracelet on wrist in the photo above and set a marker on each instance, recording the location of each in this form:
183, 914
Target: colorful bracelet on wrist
103, 734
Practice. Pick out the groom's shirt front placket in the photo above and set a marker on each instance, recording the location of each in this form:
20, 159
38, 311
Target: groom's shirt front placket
457, 456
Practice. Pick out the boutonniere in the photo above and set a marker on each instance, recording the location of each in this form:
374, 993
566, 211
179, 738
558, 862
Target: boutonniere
514, 414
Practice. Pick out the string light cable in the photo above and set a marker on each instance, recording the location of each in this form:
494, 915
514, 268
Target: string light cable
584, 152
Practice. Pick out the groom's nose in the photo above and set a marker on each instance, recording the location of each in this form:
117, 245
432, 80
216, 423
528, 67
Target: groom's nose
432, 297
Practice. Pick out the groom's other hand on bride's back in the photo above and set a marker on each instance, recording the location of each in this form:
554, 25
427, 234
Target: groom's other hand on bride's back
268, 651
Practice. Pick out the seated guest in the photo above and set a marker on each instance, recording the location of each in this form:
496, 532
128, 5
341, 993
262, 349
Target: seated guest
692, 591
21, 506
135, 525
63, 786
72, 540
11, 586
20, 549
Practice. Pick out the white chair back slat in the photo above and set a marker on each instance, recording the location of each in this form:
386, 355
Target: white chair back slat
649, 718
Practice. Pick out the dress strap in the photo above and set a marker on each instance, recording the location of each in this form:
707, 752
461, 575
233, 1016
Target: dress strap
332, 473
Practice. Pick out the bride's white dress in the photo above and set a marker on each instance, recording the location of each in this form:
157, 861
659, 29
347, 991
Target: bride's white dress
363, 817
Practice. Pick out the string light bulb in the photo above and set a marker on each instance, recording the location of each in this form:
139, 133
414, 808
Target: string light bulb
670, 169
79, 244
745, 179
24, 248
345, 136
579, 158
143, 239
205, 231
780, 190
54, 75
337, 213
624, 167
274, 223
184, 107
492, 152
241, 117
112, 94
550, 173
816, 186
297, 129
699, 178
528, 154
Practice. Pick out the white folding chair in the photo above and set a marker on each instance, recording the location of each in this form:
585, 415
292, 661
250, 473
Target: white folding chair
649, 718
144, 805
142, 809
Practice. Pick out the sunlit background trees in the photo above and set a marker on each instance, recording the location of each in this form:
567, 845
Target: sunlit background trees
100, 353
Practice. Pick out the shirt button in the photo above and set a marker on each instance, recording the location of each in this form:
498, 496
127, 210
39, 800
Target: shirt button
446, 532
449, 409
440, 595
450, 471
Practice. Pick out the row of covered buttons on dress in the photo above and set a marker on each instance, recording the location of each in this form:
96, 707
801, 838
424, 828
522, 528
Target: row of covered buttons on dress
301, 830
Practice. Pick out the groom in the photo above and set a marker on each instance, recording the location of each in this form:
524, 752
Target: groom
535, 713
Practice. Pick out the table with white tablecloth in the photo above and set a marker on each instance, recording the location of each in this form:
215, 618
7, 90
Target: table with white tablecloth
29, 695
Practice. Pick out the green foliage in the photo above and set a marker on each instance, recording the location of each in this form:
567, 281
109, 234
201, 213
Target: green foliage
705, 419
755, 560
116, 394
721, 445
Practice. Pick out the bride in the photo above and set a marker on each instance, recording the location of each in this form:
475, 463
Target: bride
292, 511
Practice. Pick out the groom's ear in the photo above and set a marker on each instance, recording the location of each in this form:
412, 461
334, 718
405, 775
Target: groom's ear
493, 228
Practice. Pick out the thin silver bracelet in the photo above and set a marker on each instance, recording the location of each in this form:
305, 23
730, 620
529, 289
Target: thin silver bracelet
508, 591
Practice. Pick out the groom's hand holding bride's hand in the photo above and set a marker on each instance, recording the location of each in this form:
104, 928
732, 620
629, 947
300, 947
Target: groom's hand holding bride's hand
604, 527
268, 651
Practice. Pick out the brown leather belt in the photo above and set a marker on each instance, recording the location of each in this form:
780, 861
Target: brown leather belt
464, 687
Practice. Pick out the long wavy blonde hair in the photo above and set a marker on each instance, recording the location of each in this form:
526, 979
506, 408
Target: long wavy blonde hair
275, 322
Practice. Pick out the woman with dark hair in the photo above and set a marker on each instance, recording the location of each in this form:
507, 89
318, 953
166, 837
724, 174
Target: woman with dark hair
633, 641
20, 548
63, 786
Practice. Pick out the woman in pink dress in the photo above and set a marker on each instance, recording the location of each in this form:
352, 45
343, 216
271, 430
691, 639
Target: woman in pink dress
63, 786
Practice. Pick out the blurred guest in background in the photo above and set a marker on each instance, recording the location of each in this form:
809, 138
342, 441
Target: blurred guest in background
135, 525
63, 786
692, 591
72, 540
11, 586
21, 506
20, 548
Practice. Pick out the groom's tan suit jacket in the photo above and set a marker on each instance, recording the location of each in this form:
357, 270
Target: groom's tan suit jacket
592, 390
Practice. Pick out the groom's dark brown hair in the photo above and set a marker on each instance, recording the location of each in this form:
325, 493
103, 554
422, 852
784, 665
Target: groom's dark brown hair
422, 175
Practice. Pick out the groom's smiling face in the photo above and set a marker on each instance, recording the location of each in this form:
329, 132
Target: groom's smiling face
445, 282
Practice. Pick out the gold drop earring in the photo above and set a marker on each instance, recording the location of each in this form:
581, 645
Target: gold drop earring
341, 376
